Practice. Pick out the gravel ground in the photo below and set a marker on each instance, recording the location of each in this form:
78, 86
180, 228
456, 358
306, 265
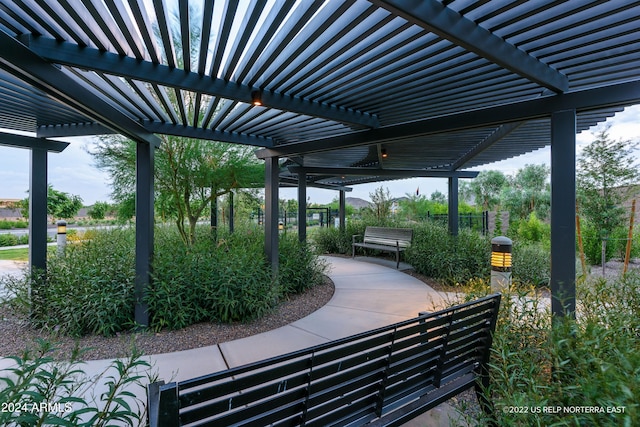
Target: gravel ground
17, 335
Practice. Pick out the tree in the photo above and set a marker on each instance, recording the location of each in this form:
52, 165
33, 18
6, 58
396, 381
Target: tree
98, 210
438, 197
528, 191
486, 188
188, 174
414, 206
59, 204
606, 169
381, 199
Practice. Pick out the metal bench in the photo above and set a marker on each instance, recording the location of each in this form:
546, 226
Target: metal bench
386, 376
384, 239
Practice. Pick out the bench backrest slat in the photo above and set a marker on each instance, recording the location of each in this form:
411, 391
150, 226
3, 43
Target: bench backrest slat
353, 380
388, 236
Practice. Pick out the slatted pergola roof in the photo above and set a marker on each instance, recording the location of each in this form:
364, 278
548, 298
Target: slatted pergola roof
438, 85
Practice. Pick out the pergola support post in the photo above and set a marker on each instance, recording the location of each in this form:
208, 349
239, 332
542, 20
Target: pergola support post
342, 210
563, 204
271, 184
302, 207
231, 213
38, 211
214, 216
453, 206
144, 229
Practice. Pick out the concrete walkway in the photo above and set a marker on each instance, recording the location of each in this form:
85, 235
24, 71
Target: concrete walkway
367, 296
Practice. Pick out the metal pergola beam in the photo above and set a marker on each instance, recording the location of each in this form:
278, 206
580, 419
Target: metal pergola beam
501, 132
408, 173
23, 63
146, 71
208, 134
622, 94
450, 25
74, 129
286, 181
90, 129
20, 141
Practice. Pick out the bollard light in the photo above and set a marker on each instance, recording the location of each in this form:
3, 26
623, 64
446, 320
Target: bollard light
61, 238
501, 248
280, 225
500, 260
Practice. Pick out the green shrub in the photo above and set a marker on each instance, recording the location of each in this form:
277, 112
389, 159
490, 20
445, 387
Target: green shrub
21, 224
8, 240
589, 362
299, 268
36, 381
227, 279
534, 230
592, 243
531, 264
91, 289
5, 225
331, 240
452, 259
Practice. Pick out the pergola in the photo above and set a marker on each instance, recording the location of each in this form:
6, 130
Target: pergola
333, 93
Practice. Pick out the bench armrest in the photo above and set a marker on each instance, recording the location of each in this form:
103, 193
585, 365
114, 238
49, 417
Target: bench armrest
353, 237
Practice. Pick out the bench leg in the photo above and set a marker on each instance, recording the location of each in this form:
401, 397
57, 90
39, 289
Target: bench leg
481, 389
397, 259
353, 251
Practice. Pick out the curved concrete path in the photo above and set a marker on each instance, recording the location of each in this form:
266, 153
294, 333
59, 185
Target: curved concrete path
367, 296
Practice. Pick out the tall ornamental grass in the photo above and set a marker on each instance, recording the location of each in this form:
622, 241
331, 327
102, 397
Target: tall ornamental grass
582, 372
88, 291
450, 259
224, 279
213, 280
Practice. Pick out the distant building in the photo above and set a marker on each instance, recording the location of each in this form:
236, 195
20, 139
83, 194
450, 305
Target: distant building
9, 203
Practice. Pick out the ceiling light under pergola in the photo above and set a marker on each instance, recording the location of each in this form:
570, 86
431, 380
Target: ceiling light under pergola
256, 98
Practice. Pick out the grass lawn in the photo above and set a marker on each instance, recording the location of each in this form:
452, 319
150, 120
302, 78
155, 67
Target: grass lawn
21, 254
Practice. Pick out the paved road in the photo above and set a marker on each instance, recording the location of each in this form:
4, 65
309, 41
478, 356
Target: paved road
52, 230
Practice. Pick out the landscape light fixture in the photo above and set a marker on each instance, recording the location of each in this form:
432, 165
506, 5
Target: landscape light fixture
256, 98
383, 153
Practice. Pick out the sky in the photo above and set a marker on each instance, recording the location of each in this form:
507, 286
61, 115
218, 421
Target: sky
73, 170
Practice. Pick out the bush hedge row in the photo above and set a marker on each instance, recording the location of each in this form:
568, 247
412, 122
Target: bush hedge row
450, 259
91, 289
585, 370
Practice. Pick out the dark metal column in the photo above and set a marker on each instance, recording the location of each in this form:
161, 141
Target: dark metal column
214, 216
231, 224
302, 207
144, 228
453, 206
271, 212
563, 211
342, 210
38, 211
